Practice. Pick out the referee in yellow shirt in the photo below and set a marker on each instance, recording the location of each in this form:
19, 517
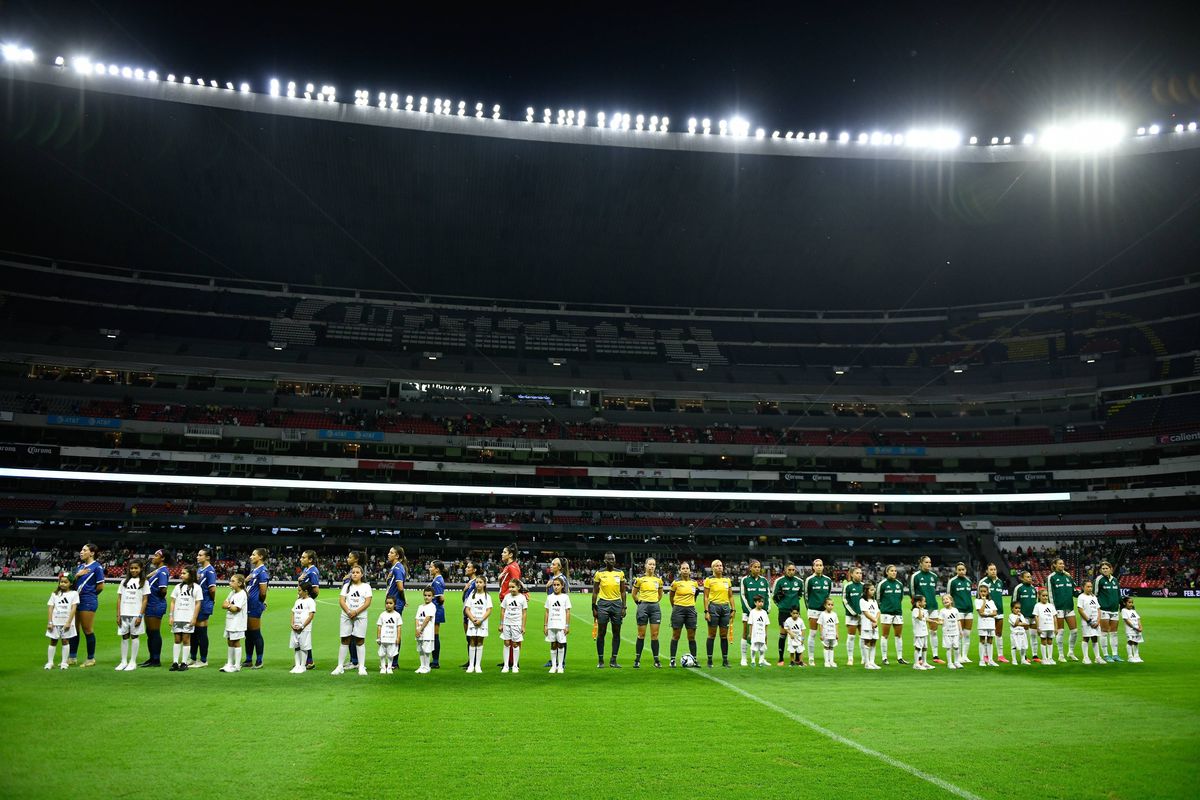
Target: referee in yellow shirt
608, 605
647, 593
683, 610
718, 610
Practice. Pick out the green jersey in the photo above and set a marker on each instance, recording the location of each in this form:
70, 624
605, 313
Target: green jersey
960, 590
1025, 598
1062, 591
852, 592
750, 588
1108, 590
995, 593
786, 593
816, 591
924, 584
890, 594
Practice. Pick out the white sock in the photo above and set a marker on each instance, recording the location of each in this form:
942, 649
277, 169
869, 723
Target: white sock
933, 651
517, 656
50, 653
134, 643
1060, 643
343, 654
850, 637
812, 638
745, 646
124, 650
176, 651
1104, 644
1074, 640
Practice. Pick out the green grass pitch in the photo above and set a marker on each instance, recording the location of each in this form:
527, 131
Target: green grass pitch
1113, 731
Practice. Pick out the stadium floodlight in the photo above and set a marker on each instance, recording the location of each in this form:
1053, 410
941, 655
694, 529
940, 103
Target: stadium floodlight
244, 88
581, 117
462, 108
706, 125
229, 85
17, 54
395, 102
1141, 131
114, 70
722, 126
844, 137
863, 138
1028, 139
496, 112
1191, 127
1008, 140
1154, 130
274, 87
422, 104
600, 117
152, 75
556, 361
823, 136
739, 126
995, 140
691, 125
774, 134
876, 138
699, 367
432, 355
530, 491
139, 74
840, 370
170, 77
187, 79
958, 369
1179, 128
1084, 136
640, 119
760, 134
277, 345
898, 139
654, 122
81, 64
59, 61
479, 110
546, 116
973, 140
126, 72
214, 85
664, 123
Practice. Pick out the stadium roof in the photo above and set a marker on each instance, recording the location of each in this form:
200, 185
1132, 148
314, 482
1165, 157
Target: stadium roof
210, 185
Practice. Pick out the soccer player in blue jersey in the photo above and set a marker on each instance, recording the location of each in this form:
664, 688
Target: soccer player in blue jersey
89, 583
310, 573
156, 608
397, 575
256, 590
206, 578
470, 575
438, 585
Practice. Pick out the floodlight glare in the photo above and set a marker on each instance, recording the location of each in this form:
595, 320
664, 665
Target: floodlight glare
739, 127
1154, 130
1028, 139
974, 140
843, 137
1083, 136
17, 54
59, 61
81, 64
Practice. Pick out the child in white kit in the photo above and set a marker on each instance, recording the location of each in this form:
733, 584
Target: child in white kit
423, 629
235, 623
1133, 630
951, 632
132, 596
515, 612
796, 630
303, 612
827, 624
1043, 617
387, 635
870, 626
986, 607
920, 617
60, 619
1089, 620
557, 623
759, 621
1018, 635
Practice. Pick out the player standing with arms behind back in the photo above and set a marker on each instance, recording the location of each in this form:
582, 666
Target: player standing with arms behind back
996, 588
1108, 592
786, 594
684, 591
355, 599
647, 595
235, 622
256, 605
924, 583
312, 575
388, 628
156, 608
185, 608
609, 591
759, 620
959, 587
750, 587
1024, 599
423, 628
206, 577
1089, 618
890, 596
817, 587
1061, 586
718, 610
304, 610
852, 592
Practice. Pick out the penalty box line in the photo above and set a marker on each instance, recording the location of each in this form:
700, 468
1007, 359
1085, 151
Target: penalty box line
896, 763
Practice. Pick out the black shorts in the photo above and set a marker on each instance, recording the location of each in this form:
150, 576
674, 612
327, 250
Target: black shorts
683, 617
784, 614
610, 611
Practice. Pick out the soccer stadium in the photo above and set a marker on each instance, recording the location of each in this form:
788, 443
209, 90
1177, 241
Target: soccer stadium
504, 450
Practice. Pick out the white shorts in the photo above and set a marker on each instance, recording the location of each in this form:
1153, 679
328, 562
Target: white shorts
1018, 640
182, 627
1087, 629
829, 643
795, 645
389, 651
59, 632
1110, 616
1133, 636
935, 615
919, 642
425, 646
1047, 633
950, 641
234, 636
987, 626
868, 630
511, 633
758, 642
353, 628
556, 636
891, 619
813, 614
853, 622
1064, 613
131, 626
302, 640
478, 631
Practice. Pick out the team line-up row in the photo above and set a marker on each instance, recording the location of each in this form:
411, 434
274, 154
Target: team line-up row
872, 613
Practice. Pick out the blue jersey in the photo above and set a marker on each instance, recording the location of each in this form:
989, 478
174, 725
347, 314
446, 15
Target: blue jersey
312, 575
438, 584
255, 583
206, 577
397, 575
468, 590
89, 583
156, 603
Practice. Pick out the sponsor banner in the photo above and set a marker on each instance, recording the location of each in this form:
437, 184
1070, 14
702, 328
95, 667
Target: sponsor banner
562, 472
1027, 477
12, 453
398, 466
1185, 594
495, 526
83, 422
909, 477
811, 477
351, 436
1179, 438
975, 524
895, 451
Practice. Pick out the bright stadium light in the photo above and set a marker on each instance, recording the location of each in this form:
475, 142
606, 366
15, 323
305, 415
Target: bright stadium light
1192, 127
511, 491
722, 126
863, 138
274, 88
229, 85
126, 72
774, 134
139, 74
496, 111
152, 75
581, 117
1083, 136
739, 127
1154, 130
17, 54
81, 64
973, 140
691, 125
1028, 139
244, 88
822, 136
114, 70
844, 137
170, 77
706, 125
59, 61
760, 133
187, 79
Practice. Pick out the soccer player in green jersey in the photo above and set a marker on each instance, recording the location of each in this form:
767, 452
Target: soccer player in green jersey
924, 583
852, 593
752, 586
1108, 592
959, 587
1062, 595
890, 596
1024, 599
996, 594
817, 587
786, 594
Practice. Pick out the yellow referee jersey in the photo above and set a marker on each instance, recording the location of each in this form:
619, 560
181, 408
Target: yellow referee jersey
610, 583
647, 588
685, 593
719, 591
